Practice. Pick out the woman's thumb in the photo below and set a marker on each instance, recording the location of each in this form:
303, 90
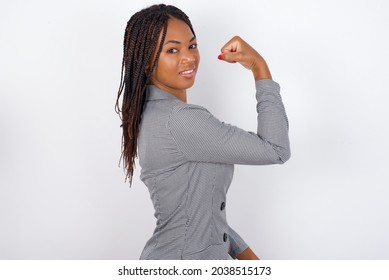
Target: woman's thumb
231, 57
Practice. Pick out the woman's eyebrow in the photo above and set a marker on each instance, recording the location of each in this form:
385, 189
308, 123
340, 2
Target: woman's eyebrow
178, 42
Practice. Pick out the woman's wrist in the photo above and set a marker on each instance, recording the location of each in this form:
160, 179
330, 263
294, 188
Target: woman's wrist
261, 70
247, 254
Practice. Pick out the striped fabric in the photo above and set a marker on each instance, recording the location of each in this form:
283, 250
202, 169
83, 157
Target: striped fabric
187, 158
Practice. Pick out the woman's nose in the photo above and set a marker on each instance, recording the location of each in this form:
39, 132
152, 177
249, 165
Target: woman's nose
188, 57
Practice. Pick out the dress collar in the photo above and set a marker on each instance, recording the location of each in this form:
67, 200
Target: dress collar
154, 93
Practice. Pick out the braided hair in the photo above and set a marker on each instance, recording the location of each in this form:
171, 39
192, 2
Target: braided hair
139, 46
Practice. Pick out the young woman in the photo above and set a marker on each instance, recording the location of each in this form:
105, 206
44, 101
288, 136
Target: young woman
187, 155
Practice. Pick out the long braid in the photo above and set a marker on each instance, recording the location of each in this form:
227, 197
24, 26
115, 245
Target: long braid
140, 42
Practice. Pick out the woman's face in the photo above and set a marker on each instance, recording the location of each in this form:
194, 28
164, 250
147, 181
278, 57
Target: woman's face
177, 64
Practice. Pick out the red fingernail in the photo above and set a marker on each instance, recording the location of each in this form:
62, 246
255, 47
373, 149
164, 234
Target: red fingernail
220, 56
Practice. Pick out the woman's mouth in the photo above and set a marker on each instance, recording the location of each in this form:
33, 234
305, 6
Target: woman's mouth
190, 73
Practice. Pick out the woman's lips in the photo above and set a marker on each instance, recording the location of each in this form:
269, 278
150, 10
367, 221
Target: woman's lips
190, 73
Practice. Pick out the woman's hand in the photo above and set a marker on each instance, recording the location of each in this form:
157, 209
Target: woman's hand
237, 50
247, 254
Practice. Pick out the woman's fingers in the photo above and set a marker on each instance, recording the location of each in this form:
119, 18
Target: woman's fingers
232, 46
229, 50
237, 50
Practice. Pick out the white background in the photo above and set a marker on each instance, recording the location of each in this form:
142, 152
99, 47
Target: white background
62, 194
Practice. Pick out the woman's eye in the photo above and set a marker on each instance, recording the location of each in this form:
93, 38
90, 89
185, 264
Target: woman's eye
193, 46
172, 50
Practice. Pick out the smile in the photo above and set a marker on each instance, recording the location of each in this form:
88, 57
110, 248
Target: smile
187, 72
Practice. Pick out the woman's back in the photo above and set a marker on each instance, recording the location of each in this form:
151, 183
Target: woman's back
187, 195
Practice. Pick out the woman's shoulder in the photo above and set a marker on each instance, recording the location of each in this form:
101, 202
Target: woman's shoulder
186, 116
182, 108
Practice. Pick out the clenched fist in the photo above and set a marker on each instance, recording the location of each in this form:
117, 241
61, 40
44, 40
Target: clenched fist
237, 50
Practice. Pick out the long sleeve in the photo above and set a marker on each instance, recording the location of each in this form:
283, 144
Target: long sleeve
202, 137
237, 244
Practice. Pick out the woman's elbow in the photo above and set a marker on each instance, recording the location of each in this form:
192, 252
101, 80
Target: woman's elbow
273, 155
283, 155
280, 155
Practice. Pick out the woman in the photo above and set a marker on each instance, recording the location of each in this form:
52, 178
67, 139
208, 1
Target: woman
187, 155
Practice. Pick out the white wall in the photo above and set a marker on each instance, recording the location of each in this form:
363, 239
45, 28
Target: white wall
62, 194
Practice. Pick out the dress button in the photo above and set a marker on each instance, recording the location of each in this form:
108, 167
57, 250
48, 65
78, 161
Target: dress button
225, 237
222, 206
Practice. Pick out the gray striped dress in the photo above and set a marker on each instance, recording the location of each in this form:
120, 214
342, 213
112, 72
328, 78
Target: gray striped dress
187, 159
